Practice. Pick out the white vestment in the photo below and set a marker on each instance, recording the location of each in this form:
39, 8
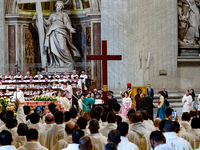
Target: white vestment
176, 142
19, 95
187, 106
72, 147
123, 118
37, 126
13, 131
43, 133
163, 147
8, 147
69, 89
98, 140
110, 126
186, 125
63, 143
139, 135
19, 141
66, 104
192, 139
32, 146
54, 134
126, 144
20, 116
148, 126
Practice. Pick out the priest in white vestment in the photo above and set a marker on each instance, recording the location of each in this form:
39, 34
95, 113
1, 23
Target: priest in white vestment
32, 141
187, 102
19, 94
145, 122
56, 132
123, 128
185, 121
97, 139
35, 122
6, 139
111, 119
172, 139
137, 133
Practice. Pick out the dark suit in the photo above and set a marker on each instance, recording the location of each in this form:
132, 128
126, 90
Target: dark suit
110, 103
164, 94
147, 103
150, 93
75, 101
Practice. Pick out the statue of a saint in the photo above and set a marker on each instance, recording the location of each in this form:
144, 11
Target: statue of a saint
58, 40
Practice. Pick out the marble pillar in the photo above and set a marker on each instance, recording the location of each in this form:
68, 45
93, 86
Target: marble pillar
133, 28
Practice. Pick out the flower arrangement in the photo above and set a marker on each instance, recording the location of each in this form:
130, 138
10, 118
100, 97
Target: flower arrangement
4, 102
43, 98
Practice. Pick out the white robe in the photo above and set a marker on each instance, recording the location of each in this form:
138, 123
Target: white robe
54, 134
20, 116
13, 131
98, 140
43, 133
139, 135
123, 118
187, 106
126, 144
69, 88
20, 96
163, 147
8, 147
66, 104
63, 143
37, 126
148, 126
186, 125
110, 126
72, 147
32, 146
19, 141
176, 142
192, 139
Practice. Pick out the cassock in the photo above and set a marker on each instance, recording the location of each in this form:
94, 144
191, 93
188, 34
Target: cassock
110, 126
56, 133
187, 106
98, 140
139, 135
32, 146
8, 147
19, 95
176, 142
73, 146
125, 144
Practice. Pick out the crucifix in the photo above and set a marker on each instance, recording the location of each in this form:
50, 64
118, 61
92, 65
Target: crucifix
104, 58
40, 25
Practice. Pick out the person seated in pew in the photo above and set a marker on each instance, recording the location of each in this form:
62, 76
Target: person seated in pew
8, 76
8, 93
66, 75
62, 79
11, 86
74, 75
56, 75
54, 79
27, 76
18, 76
46, 80
4, 79
48, 76
38, 75
54, 86
12, 79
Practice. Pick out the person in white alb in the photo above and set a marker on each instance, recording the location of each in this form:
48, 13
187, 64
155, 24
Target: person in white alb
83, 78
5, 142
69, 89
187, 102
32, 141
123, 128
185, 121
76, 135
157, 140
172, 139
74, 75
38, 75
111, 119
18, 76
145, 122
98, 140
19, 94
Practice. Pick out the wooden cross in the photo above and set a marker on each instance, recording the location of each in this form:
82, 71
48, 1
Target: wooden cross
104, 57
40, 25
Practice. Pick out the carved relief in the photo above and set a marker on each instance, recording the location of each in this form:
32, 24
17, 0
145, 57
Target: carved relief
188, 25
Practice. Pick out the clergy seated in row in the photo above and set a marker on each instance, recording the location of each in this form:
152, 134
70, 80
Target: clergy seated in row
6, 140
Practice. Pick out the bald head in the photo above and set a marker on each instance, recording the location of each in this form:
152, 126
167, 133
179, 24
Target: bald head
157, 122
70, 127
49, 119
85, 143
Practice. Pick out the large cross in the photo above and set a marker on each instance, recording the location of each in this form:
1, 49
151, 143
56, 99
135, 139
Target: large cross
104, 57
40, 25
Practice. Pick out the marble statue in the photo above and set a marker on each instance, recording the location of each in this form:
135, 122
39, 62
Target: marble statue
189, 22
58, 39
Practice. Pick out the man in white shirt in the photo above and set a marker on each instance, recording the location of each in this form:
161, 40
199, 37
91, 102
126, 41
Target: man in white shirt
172, 139
76, 135
157, 140
138, 134
116, 110
111, 119
6, 139
187, 102
32, 141
98, 140
125, 143
56, 132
